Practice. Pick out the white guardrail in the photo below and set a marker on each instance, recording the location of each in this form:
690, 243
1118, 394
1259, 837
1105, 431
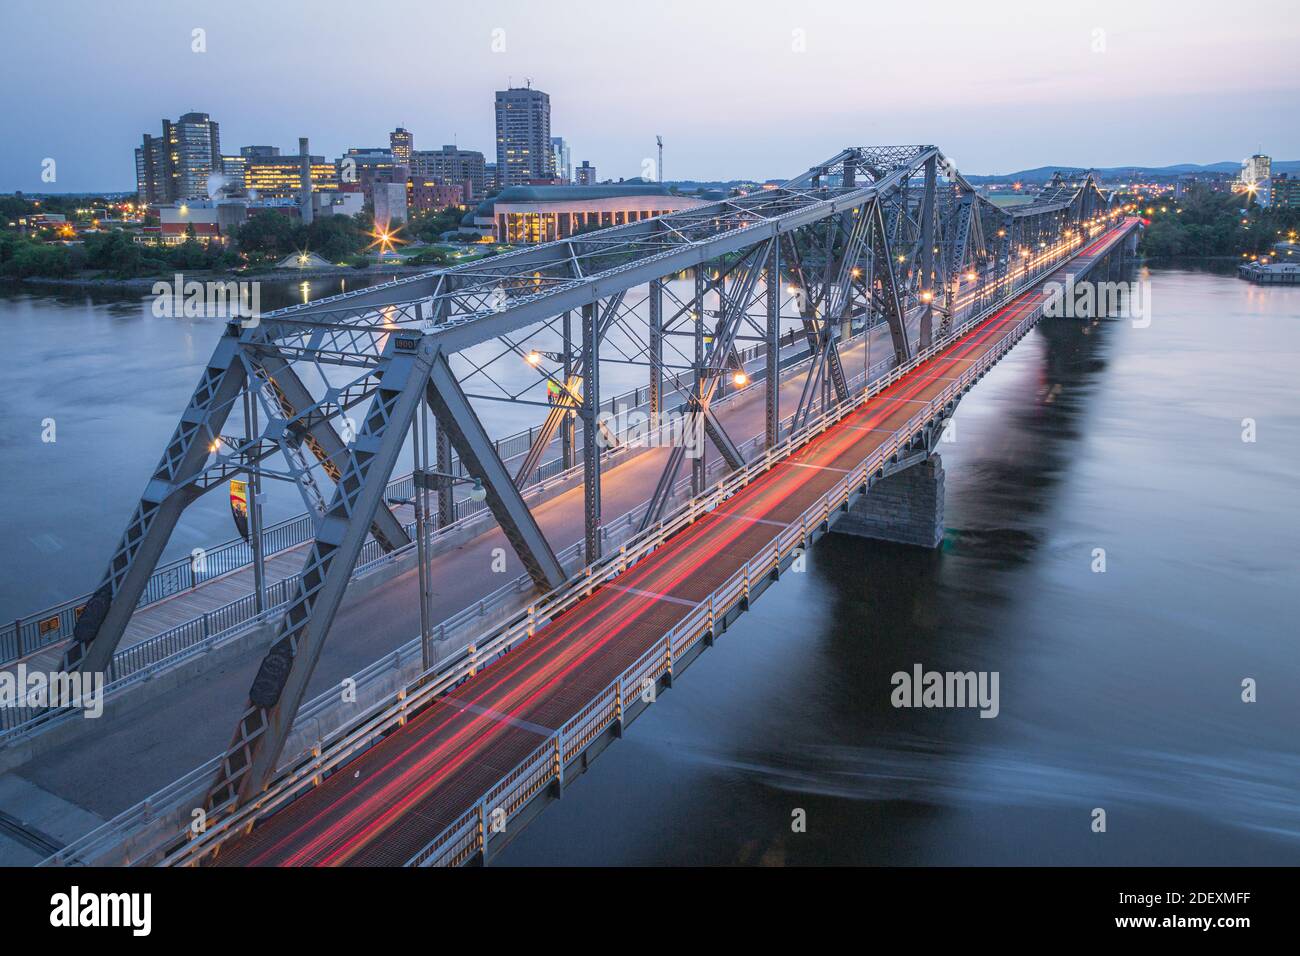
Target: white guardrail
171, 807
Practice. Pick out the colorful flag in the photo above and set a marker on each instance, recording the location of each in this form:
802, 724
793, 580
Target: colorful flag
239, 506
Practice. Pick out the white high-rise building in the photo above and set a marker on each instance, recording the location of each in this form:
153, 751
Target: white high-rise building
523, 136
1256, 177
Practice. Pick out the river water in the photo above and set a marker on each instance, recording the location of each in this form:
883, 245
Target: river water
1119, 690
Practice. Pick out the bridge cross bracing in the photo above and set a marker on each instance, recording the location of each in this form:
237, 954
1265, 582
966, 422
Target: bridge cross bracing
890, 237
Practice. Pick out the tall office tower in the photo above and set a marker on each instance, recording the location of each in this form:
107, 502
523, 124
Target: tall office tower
586, 174
177, 165
400, 143
151, 171
523, 136
452, 166
193, 154
560, 158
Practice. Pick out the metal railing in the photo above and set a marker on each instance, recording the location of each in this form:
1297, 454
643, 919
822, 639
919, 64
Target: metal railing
147, 658
51, 625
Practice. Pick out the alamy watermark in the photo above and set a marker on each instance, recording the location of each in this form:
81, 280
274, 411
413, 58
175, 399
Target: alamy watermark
31, 688
75, 908
640, 428
232, 299
1090, 300
922, 688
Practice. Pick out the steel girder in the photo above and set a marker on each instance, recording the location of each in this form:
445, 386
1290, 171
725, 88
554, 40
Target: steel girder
321, 438
101, 625
281, 681
701, 420
457, 420
590, 432
772, 383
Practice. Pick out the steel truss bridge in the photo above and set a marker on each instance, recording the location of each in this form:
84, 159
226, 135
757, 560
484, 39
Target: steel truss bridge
888, 237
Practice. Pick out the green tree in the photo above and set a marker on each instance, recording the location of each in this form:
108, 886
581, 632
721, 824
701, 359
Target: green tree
270, 234
336, 237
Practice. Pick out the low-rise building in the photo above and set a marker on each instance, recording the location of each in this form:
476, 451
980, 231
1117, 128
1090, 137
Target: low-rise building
529, 214
275, 177
430, 195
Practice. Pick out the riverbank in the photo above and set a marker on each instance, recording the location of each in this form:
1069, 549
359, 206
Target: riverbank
144, 284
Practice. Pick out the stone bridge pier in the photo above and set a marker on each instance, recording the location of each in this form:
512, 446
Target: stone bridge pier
905, 506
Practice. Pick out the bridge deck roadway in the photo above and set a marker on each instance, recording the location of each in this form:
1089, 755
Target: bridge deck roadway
124, 759
383, 807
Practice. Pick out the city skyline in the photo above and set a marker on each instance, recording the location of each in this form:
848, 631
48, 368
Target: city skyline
715, 111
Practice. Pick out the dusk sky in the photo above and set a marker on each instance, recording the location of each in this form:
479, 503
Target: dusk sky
752, 89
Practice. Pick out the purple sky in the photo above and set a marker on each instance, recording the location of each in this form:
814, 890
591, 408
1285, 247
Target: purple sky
999, 87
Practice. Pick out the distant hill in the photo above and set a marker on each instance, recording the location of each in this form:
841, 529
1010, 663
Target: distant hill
1043, 173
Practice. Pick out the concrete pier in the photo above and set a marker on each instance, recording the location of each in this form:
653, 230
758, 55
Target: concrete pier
905, 507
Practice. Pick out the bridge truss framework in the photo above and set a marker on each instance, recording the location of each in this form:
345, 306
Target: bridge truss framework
891, 236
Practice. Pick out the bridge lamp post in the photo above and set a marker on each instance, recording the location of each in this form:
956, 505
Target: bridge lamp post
536, 355
424, 479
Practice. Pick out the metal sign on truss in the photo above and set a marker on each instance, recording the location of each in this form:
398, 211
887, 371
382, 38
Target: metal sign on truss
891, 236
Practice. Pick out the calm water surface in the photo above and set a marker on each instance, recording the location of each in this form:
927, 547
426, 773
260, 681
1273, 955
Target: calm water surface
1119, 690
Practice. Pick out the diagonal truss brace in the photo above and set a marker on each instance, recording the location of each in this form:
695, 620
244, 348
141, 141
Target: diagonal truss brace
456, 418
883, 271
281, 681
101, 625
321, 438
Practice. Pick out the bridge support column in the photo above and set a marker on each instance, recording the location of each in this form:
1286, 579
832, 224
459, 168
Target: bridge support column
905, 507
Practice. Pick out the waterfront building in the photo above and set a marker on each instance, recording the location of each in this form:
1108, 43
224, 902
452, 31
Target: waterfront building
1256, 171
529, 214
233, 168
151, 171
193, 154
388, 199
430, 195
523, 127
369, 168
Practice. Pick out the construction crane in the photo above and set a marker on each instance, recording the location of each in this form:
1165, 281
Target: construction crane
660, 141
